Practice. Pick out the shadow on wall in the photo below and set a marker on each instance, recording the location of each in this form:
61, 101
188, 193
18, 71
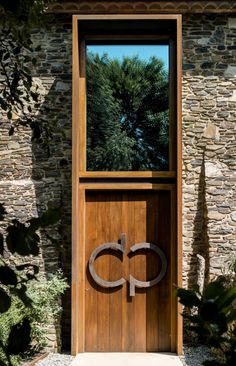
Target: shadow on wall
51, 171
200, 245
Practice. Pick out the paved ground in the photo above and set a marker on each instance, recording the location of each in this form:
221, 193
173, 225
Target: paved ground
126, 359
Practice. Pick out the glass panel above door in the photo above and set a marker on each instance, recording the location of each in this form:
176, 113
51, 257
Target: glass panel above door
127, 107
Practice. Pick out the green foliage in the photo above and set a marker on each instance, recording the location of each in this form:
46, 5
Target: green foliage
21, 239
18, 95
229, 271
45, 306
213, 318
127, 114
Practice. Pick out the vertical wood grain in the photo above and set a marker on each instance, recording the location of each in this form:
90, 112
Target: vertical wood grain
164, 310
130, 301
140, 206
125, 289
116, 272
179, 253
152, 294
91, 240
143, 322
103, 269
75, 309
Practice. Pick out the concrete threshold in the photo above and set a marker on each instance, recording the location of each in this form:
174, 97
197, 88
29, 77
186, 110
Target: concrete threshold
126, 359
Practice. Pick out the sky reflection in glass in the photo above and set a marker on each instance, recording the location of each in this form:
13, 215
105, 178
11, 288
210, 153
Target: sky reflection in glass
143, 51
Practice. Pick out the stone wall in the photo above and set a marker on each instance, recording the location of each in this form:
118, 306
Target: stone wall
34, 176
209, 146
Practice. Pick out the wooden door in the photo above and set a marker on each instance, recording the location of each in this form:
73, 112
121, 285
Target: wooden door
114, 320
125, 201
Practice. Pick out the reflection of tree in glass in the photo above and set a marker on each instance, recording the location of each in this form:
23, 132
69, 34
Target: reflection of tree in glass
127, 114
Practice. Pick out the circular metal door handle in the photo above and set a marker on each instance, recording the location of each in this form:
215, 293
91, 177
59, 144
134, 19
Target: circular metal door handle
145, 284
114, 246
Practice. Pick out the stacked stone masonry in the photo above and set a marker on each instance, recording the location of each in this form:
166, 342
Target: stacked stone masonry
209, 145
34, 177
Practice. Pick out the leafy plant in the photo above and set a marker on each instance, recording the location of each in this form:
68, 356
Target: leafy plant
229, 271
21, 239
44, 310
213, 319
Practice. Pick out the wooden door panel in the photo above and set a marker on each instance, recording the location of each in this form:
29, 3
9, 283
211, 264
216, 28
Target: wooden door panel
115, 321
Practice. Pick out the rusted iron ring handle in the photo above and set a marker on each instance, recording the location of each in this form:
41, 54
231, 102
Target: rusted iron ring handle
144, 284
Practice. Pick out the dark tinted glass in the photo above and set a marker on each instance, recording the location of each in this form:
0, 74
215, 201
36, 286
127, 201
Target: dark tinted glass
127, 107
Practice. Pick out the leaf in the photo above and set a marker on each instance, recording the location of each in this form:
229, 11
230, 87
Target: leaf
11, 131
36, 131
5, 301
209, 311
213, 290
9, 115
3, 212
188, 298
1, 244
3, 104
7, 276
226, 298
221, 324
231, 316
21, 293
22, 240
48, 218
19, 338
15, 82
15, 238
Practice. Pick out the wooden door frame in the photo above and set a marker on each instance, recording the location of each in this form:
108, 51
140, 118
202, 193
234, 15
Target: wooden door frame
79, 188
